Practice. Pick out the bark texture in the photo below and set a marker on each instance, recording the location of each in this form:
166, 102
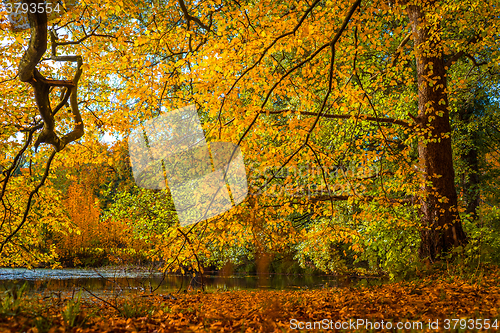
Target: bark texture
441, 226
42, 86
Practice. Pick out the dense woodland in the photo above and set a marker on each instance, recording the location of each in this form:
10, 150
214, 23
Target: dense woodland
369, 131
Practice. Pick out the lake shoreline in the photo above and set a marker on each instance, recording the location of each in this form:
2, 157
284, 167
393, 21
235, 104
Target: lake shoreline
431, 298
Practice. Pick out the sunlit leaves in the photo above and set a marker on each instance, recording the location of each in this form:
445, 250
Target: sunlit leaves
259, 74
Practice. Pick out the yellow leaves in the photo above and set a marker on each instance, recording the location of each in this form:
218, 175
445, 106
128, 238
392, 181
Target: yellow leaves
85, 67
118, 69
102, 15
118, 7
305, 30
218, 68
19, 39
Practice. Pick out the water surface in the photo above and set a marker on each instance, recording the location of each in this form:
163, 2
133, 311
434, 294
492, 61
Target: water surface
120, 281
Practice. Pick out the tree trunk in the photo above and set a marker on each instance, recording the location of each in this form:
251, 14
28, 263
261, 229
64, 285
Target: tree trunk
441, 225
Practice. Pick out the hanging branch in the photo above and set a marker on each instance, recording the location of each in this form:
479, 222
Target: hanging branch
30, 200
200, 269
42, 87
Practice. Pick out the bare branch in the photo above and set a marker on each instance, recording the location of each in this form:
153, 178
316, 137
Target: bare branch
361, 198
54, 39
399, 49
474, 61
347, 116
200, 269
63, 101
190, 18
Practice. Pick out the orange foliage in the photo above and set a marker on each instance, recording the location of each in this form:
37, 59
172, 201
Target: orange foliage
91, 238
83, 210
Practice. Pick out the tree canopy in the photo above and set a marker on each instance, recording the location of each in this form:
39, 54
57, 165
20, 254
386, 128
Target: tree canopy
356, 120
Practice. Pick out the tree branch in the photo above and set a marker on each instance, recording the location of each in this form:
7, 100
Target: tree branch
190, 18
461, 53
399, 49
361, 198
42, 88
30, 200
292, 32
37, 46
347, 116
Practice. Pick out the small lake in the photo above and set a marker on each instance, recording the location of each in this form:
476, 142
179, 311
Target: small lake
133, 280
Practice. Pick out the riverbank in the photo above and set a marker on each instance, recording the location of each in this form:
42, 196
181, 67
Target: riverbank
106, 281
431, 300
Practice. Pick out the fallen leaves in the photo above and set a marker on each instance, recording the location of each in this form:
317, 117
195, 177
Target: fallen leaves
268, 311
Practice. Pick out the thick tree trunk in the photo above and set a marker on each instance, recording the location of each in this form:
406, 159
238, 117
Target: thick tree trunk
441, 225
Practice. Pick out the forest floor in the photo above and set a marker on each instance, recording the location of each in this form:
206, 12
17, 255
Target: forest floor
436, 303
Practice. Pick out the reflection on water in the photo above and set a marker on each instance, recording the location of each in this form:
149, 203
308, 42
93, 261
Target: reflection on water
68, 273
103, 281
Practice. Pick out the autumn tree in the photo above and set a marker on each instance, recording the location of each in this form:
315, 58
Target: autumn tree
369, 75
359, 91
368, 40
48, 114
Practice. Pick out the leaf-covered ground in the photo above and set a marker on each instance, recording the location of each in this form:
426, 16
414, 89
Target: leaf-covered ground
268, 311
